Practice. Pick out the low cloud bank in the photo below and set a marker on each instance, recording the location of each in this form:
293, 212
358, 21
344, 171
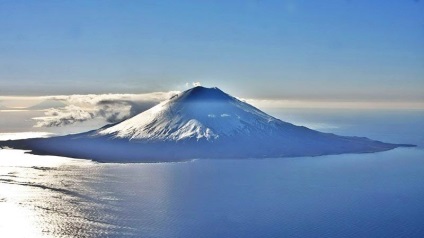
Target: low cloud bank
110, 107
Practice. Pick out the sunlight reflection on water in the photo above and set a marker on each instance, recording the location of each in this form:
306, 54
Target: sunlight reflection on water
331, 196
43, 196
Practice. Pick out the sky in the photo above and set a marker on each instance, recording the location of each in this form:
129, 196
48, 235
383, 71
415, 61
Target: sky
333, 50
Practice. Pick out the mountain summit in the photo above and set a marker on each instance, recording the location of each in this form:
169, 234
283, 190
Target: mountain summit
201, 114
199, 123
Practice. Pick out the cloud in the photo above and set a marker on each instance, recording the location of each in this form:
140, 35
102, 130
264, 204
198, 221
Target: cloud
195, 84
93, 99
63, 116
110, 107
327, 104
118, 110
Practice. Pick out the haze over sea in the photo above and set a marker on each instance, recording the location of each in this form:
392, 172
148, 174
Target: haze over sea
354, 195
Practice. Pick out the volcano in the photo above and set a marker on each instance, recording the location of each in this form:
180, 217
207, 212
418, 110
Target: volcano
196, 124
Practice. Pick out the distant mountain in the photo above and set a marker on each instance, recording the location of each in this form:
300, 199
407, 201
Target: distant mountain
46, 104
200, 123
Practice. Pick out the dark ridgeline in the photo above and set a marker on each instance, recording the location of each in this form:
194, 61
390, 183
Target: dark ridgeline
199, 123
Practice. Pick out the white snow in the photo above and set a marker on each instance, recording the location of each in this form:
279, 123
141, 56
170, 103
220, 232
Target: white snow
212, 114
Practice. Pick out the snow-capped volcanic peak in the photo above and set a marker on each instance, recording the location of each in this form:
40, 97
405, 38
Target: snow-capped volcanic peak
198, 113
199, 123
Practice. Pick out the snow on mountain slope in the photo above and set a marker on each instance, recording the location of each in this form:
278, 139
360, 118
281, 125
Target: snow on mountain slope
200, 113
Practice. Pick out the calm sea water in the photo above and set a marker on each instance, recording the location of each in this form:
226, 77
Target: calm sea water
367, 195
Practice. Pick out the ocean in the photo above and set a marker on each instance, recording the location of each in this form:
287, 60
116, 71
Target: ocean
351, 195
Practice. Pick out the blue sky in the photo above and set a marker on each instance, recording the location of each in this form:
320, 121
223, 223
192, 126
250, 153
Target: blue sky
296, 49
